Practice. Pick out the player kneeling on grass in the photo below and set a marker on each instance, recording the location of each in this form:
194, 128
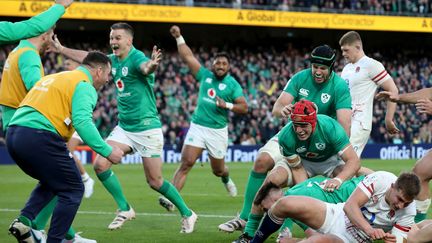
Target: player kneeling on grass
269, 193
381, 207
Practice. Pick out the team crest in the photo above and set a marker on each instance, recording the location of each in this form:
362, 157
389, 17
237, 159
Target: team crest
211, 93
301, 149
120, 85
320, 146
222, 86
113, 71
208, 80
357, 69
325, 97
347, 81
125, 71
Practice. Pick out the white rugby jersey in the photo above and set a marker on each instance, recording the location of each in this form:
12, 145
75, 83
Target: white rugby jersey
363, 79
378, 212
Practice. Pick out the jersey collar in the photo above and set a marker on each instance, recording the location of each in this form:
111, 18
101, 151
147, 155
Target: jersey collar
86, 72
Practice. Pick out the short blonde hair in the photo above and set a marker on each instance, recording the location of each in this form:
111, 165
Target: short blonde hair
350, 38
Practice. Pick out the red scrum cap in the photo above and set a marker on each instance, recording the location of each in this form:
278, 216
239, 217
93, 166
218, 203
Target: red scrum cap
305, 111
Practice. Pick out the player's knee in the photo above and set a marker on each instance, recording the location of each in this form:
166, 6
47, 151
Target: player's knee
186, 162
101, 164
218, 172
263, 163
155, 183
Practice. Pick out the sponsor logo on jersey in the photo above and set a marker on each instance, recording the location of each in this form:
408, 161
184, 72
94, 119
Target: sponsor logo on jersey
125, 71
357, 69
211, 93
222, 86
120, 85
301, 149
304, 92
113, 71
208, 80
320, 146
311, 155
325, 97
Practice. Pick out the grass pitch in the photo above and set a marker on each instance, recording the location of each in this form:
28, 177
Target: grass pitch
203, 192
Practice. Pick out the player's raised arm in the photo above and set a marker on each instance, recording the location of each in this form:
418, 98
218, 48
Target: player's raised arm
184, 50
408, 98
151, 65
11, 32
74, 54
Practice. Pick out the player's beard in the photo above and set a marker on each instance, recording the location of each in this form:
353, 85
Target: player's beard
220, 77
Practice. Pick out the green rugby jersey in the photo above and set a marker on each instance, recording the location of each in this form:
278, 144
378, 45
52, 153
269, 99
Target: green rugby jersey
329, 96
136, 100
207, 114
313, 187
327, 140
11, 32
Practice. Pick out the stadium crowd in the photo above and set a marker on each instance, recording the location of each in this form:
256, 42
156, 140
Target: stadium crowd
263, 73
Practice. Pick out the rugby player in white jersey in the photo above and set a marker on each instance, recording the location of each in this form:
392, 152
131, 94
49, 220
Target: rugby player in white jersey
381, 207
364, 75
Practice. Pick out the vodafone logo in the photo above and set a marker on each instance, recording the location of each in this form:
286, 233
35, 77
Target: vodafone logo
120, 85
211, 93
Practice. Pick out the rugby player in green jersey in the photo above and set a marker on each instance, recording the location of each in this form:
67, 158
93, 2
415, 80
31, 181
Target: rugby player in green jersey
11, 32
139, 129
312, 145
319, 84
219, 93
22, 70
313, 187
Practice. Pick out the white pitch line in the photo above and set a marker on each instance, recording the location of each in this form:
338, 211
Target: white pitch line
141, 214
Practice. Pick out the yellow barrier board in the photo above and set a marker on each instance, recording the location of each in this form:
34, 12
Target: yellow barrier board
221, 16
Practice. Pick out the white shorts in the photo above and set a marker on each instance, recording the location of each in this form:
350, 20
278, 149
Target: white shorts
359, 136
272, 148
284, 164
77, 136
214, 140
148, 144
337, 223
324, 168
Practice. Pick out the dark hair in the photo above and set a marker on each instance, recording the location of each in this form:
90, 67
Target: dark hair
409, 184
96, 58
263, 192
324, 55
222, 54
123, 26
